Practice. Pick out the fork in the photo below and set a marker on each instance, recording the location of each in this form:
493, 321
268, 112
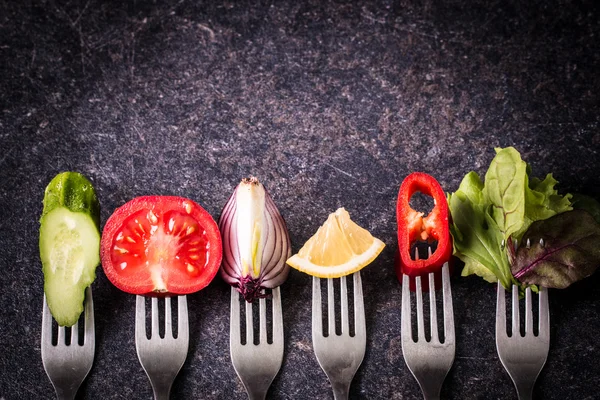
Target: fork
523, 357
67, 364
339, 355
428, 361
256, 365
161, 358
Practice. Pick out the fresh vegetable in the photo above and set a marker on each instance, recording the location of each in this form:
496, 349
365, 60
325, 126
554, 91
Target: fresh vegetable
69, 244
256, 242
340, 247
414, 227
568, 250
161, 245
478, 241
489, 219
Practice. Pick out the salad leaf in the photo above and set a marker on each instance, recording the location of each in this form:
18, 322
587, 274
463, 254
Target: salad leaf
553, 202
570, 250
487, 218
477, 238
504, 184
542, 201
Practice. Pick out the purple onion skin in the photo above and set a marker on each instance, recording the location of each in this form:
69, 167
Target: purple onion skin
276, 246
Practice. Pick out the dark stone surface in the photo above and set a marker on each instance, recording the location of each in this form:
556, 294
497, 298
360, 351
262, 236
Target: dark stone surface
330, 104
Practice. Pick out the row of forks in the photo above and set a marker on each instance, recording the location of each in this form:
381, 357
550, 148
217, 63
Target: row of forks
429, 360
523, 356
339, 355
68, 361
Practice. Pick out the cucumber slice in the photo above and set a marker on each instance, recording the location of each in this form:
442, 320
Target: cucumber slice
69, 244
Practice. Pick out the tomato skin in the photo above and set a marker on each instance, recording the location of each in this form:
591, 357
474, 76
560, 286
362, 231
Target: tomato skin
141, 280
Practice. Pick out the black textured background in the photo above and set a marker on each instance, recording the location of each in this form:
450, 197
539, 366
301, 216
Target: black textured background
330, 104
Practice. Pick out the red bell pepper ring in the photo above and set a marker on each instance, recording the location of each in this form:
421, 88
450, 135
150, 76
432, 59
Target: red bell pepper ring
414, 227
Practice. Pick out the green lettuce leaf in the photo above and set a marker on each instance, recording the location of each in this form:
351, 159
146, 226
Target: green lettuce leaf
472, 267
505, 181
489, 218
542, 201
477, 240
570, 250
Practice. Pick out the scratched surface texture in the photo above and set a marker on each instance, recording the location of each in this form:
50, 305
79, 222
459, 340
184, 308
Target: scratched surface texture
330, 104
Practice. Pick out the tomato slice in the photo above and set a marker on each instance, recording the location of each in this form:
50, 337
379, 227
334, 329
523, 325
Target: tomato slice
161, 245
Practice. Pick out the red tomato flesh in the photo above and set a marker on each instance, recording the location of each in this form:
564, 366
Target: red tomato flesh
161, 245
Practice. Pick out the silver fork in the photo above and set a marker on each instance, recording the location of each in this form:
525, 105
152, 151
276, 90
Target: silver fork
161, 358
67, 364
523, 357
256, 365
428, 361
339, 355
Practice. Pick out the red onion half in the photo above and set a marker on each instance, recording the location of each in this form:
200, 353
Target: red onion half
256, 242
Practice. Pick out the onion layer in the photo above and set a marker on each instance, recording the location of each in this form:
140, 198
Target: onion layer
256, 242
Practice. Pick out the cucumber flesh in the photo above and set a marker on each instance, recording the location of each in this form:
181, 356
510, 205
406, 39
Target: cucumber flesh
70, 252
69, 245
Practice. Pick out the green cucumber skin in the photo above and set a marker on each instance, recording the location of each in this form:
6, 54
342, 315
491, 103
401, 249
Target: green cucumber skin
74, 192
69, 192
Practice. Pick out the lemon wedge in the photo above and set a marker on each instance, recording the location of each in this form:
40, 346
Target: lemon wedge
340, 247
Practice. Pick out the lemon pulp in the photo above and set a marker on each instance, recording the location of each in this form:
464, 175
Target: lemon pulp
340, 247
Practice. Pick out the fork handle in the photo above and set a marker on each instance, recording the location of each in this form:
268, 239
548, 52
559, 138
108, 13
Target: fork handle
161, 393
431, 392
341, 390
525, 390
66, 394
257, 395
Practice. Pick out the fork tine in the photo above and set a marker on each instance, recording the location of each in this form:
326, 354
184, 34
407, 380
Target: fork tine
88, 329
344, 300
61, 336
330, 308
515, 311
317, 319
234, 320
420, 321
501, 311
46, 323
140, 318
448, 307
277, 317
544, 324
249, 324
168, 323
75, 327
528, 312
263, 320
432, 309
154, 327
75, 334
432, 305
405, 317
360, 326
183, 324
